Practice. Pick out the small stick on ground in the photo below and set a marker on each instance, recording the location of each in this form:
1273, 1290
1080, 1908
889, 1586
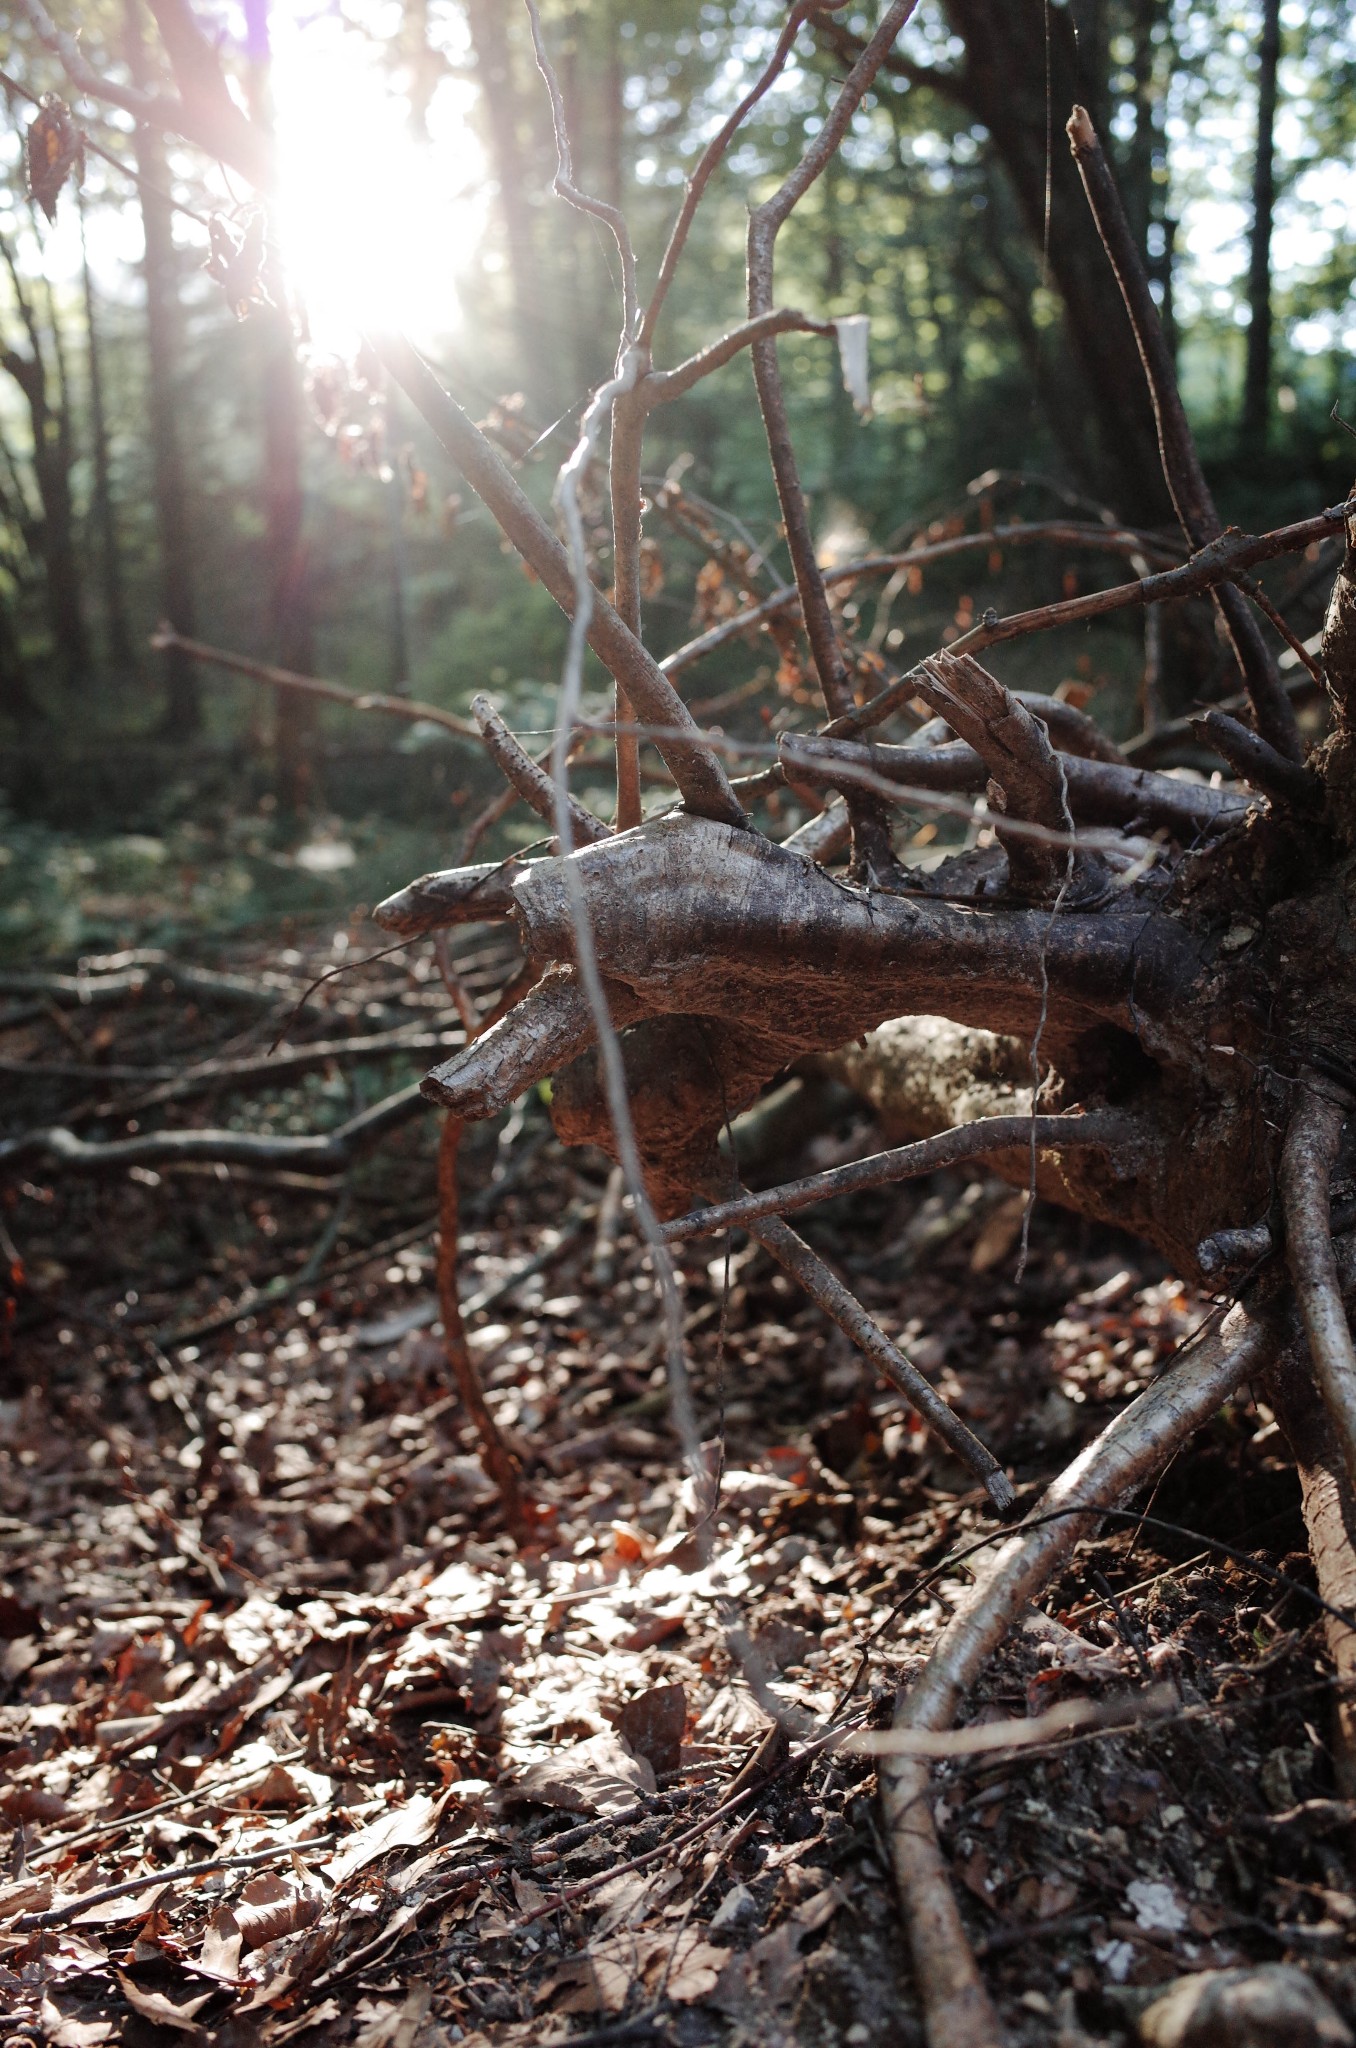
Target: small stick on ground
957, 2009
842, 1306
500, 1464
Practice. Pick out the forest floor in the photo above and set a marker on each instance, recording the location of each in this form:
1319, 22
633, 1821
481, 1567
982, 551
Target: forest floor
295, 1744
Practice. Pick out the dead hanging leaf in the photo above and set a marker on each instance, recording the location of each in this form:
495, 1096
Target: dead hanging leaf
54, 148
236, 260
652, 1726
269, 1907
163, 2012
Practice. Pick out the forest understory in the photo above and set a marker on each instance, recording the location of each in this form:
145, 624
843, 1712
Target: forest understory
260, 1605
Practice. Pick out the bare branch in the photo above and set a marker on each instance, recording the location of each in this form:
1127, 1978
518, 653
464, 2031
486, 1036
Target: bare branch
696, 770
626, 456
1136, 1445
1212, 568
1182, 470
871, 839
327, 1154
978, 1140
408, 708
706, 165
532, 783
611, 216
1257, 762
1312, 1142
662, 385
842, 1307
474, 895
541, 1034
1100, 792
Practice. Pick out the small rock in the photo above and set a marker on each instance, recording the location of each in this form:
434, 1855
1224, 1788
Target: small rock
1275, 2006
736, 1909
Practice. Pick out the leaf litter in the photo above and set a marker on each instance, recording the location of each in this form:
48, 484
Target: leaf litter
295, 1745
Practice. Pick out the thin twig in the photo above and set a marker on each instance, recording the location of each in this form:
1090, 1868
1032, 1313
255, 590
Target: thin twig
977, 1140
72, 1909
501, 1467
564, 185
165, 639
532, 783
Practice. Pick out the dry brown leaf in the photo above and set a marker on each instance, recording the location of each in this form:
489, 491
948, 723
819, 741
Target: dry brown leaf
270, 1907
596, 1981
406, 1828
222, 1942
60, 2032
163, 2012
395, 2026
597, 1776
690, 1969
278, 2031
652, 1726
25, 1895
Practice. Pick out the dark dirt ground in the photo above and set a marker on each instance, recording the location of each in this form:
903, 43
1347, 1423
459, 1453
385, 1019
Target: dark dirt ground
255, 1598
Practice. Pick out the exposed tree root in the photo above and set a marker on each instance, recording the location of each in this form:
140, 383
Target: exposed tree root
1132, 1448
1312, 1143
500, 1464
1329, 1505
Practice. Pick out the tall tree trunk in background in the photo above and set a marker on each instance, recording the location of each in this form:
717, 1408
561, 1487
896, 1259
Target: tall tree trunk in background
1002, 82
486, 20
1257, 374
182, 716
16, 698
284, 497
52, 455
116, 629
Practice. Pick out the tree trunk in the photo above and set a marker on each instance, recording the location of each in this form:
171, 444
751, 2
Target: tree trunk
284, 495
121, 653
1002, 82
182, 715
49, 425
503, 131
1257, 373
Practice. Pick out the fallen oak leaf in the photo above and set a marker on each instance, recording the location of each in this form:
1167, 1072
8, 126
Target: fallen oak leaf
163, 2012
269, 1907
597, 1776
60, 2031
407, 1828
395, 2026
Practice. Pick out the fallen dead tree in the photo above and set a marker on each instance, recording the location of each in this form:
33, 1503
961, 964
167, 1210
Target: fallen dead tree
1170, 968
